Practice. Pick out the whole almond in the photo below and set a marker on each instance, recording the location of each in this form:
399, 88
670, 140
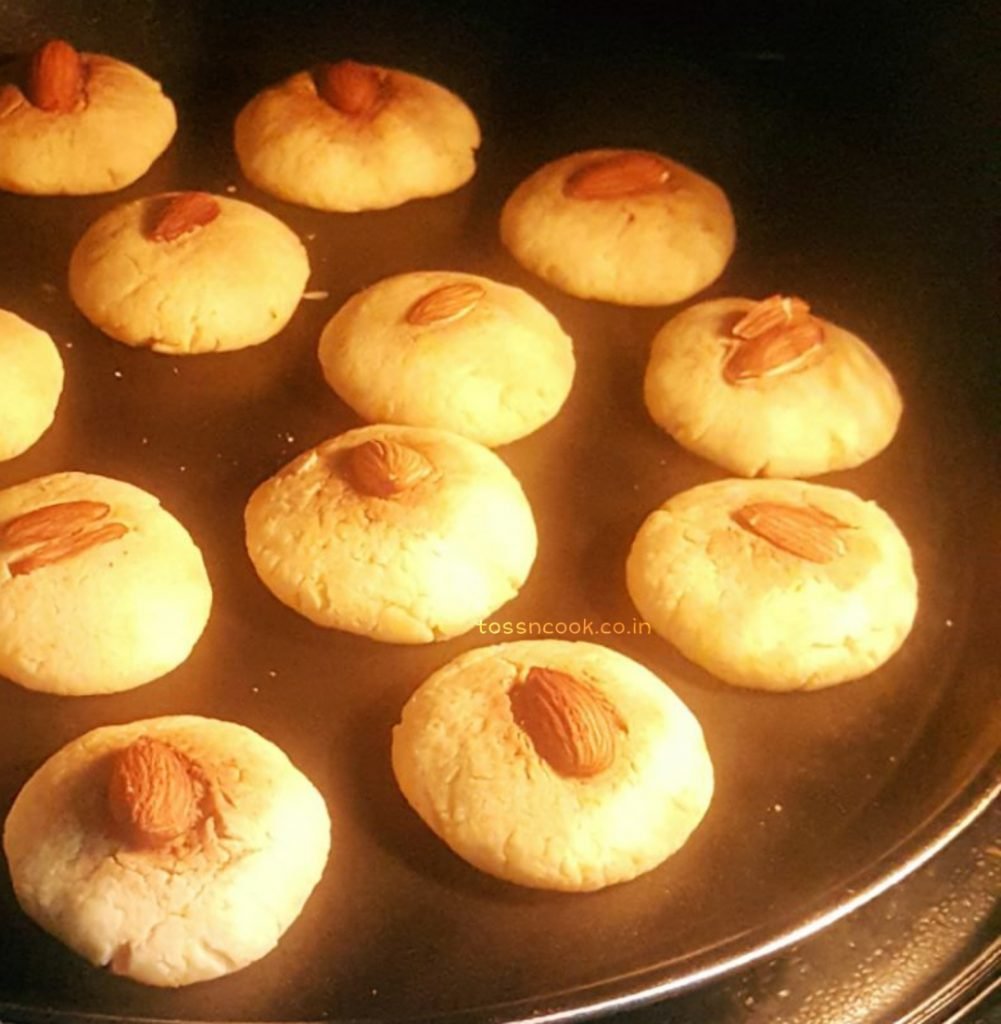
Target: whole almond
352, 88
445, 304
50, 521
56, 77
58, 549
801, 530
614, 177
151, 795
779, 351
182, 213
382, 469
572, 725
766, 315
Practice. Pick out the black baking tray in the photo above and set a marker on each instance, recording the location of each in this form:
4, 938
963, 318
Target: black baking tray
853, 144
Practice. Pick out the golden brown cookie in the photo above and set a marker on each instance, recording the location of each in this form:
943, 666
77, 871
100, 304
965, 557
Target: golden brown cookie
171, 850
350, 136
188, 272
775, 584
401, 534
78, 123
553, 764
449, 350
770, 389
625, 226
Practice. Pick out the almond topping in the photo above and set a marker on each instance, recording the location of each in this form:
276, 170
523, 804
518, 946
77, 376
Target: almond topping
382, 469
50, 522
152, 797
11, 98
56, 77
766, 315
352, 88
60, 548
801, 530
445, 304
572, 724
184, 212
775, 337
626, 174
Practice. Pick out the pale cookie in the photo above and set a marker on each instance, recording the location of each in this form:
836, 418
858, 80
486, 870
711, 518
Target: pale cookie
449, 350
101, 589
625, 226
401, 534
775, 584
350, 136
79, 123
768, 389
188, 272
553, 764
30, 384
171, 850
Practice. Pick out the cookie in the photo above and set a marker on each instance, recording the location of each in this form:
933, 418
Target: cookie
350, 136
402, 534
171, 850
769, 389
30, 385
454, 351
80, 123
775, 584
553, 764
624, 226
187, 272
101, 589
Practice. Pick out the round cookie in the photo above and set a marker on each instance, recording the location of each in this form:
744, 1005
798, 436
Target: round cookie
101, 589
187, 272
167, 890
625, 226
350, 136
767, 389
30, 385
82, 123
448, 350
401, 534
553, 764
775, 584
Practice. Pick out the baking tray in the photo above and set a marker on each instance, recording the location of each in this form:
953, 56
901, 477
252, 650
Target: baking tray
822, 799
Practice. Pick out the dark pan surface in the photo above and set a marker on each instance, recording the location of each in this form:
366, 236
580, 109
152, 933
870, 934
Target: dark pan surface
857, 168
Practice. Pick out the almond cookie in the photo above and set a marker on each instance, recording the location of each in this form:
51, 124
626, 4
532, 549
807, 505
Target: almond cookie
101, 589
30, 384
188, 272
775, 584
448, 350
625, 226
351, 136
170, 851
553, 764
401, 534
769, 389
78, 123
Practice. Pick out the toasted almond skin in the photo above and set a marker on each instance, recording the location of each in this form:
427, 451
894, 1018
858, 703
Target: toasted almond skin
151, 796
445, 304
766, 315
801, 530
50, 522
626, 174
352, 88
58, 549
183, 213
56, 77
781, 350
382, 469
571, 724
